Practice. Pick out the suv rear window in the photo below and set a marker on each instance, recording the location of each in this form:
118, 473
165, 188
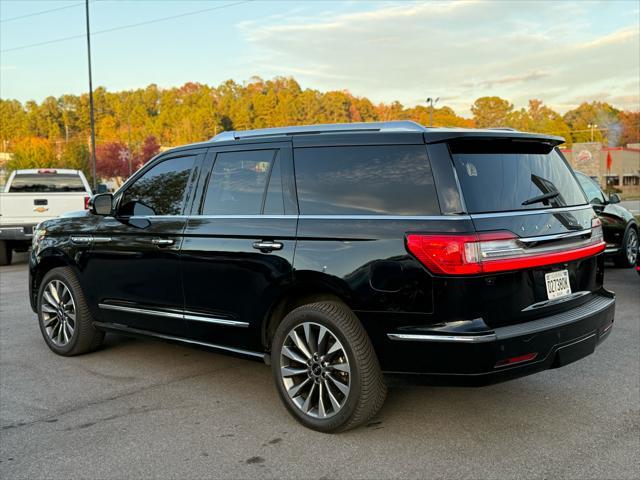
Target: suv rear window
47, 182
504, 176
365, 180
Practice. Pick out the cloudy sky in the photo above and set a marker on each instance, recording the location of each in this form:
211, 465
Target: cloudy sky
561, 52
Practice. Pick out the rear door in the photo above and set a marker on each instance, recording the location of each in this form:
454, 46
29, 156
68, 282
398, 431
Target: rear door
525, 201
239, 242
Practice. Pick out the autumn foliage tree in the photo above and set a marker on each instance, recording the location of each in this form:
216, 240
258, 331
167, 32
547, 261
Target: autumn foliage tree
32, 152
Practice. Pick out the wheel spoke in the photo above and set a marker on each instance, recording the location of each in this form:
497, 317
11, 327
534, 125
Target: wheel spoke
292, 372
341, 386
342, 367
293, 391
321, 337
299, 343
51, 321
309, 338
335, 347
332, 398
321, 409
46, 308
49, 299
289, 353
307, 403
53, 289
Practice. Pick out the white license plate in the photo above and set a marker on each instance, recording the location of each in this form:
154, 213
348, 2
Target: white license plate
557, 284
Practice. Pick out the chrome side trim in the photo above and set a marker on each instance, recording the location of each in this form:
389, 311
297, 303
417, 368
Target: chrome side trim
219, 321
142, 311
415, 337
179, 315
101, 239
125, 329
385, 217
518, 213
240, 217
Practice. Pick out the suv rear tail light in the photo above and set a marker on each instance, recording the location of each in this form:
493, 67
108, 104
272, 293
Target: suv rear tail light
86, 203
470, 254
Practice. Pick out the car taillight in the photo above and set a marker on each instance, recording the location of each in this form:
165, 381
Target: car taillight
86, 203
470, 254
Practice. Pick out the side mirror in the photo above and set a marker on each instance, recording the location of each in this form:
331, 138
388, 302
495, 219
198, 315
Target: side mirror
614, 198
101, 204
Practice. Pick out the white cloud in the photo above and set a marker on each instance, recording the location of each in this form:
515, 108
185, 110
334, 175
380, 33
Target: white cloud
458, 50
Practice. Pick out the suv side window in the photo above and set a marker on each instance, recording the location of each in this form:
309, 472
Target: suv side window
160, 190
237, 183
365, 180
594, 194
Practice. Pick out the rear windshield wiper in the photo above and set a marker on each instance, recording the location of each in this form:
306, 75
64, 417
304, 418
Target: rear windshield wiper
541, 198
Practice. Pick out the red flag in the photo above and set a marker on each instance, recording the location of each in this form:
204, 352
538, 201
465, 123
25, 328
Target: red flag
609, 161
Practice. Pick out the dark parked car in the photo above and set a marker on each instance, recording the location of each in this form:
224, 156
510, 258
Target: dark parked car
338, 252
618, 224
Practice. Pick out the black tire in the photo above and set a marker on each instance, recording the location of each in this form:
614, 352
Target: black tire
367, 388
85, 337
6, 253
626, 259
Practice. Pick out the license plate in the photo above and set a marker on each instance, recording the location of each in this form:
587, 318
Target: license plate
557, 284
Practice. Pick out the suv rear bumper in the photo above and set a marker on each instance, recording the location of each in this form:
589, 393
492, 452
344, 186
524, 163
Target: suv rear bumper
482, 358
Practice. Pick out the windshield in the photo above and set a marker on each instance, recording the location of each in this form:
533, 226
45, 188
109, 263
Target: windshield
510, 180
47, 182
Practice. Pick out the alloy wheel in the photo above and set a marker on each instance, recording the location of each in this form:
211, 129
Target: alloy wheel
58, 313
315, 370
632, 247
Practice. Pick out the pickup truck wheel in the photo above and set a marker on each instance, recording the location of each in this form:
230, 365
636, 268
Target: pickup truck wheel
63, 314
6, 253
325, 369
629, 250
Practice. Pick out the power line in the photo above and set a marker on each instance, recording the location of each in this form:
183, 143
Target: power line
122, 27
42, 12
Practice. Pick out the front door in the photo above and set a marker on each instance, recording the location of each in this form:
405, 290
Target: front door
134, 262
239, 242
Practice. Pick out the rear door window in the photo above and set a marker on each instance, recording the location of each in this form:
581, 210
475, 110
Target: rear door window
365, 180
237, 183
500, 176
47, 182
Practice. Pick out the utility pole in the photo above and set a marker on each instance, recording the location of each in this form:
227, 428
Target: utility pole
432, 101
592, 126
93, 130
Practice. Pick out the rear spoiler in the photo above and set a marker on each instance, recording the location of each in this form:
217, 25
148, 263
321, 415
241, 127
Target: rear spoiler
435, 136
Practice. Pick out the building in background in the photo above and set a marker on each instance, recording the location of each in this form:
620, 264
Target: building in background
614, 168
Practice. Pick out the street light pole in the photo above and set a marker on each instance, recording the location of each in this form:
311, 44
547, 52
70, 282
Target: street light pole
432, 101
91, 116
592, 126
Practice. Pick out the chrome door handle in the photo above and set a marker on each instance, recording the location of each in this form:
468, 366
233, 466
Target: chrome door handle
162, 242
267, 246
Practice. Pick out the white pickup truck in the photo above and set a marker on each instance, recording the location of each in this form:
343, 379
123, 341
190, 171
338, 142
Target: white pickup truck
31, 196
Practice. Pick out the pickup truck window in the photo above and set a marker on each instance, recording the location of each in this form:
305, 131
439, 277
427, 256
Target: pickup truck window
46, 182
160, 190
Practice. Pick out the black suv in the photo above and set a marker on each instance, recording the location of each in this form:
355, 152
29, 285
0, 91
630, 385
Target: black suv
619, 226
336, 253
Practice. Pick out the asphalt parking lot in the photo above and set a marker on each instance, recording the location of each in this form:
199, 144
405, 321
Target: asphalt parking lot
144, 409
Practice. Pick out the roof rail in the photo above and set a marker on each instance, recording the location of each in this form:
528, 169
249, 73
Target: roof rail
394, 126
